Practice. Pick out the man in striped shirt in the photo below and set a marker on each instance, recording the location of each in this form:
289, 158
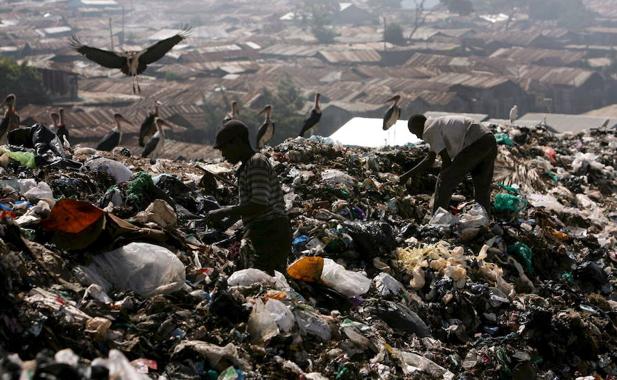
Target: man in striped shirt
261, 207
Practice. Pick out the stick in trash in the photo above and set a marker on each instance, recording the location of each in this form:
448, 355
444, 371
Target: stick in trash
219, 177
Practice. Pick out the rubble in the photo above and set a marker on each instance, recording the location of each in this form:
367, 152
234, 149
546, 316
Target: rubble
110, 270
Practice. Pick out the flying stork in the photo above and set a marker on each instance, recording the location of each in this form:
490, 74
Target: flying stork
313, 118
155, 145
114, 137
131, 63
513, 114
393, 113
233, 114
148, 127
266, 131
11, 118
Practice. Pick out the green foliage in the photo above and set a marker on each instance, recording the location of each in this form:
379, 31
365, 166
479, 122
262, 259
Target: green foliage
394, 34
324, 34
25, 82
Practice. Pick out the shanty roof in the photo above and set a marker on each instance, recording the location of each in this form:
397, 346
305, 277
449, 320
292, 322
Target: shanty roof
569, 123
290, 50
566, 76
368, 132
608, 111
478, 117
550, 57
350, 56
471, 80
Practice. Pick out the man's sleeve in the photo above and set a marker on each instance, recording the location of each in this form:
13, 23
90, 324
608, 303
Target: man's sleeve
259, 181
433, 136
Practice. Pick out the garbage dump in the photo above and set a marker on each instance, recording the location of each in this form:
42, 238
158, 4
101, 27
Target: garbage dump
109, 269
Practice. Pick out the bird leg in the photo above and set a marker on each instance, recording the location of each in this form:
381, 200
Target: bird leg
138, 88
134, 92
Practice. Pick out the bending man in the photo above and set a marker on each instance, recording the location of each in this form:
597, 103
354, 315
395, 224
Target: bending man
464, 147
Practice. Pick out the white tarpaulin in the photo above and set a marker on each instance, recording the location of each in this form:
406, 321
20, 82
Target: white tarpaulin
367, 132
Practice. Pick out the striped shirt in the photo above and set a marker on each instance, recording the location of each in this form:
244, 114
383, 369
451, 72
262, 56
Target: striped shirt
258, 183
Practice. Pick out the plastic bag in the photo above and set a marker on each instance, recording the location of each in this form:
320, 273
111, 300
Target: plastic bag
283, 317
144, 268
118, 171
508, 203
250, 276
119, 367
351, 284
523, 253
443, 218
335, 177
503, 139
41, 191
261, 324
474, 218
311, 323
216, 356
308, 268
26, 159
388, 285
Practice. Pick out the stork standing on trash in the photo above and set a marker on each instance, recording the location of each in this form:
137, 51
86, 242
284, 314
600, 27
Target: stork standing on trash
513, 114
60, 128
114, 137
11, 118
148, 126
156, 144
266, 131
393, 113
313, 118
131, 63
233, 114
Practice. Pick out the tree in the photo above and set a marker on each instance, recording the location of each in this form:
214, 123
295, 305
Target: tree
572, 14
462, 7
324, 34
393, 33
321, 13
420, 17
23, 81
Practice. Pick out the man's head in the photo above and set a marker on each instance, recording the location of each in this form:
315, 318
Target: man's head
233, 141
416, 125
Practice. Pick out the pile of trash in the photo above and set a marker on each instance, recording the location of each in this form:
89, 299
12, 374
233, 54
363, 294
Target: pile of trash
109, 268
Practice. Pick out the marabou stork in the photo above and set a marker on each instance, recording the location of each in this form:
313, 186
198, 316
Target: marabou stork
313, 118
233, 114
148, 127
61, 131
114, 137
393, 113
155, 145
131, 63
513, 114
11, 118
266, 131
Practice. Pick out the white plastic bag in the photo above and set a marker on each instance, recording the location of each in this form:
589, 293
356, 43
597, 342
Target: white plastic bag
261, 324
311, 323
476, 217
115, 169
40, 191
146, 269
336, 177
119, 367
250, 276
351, 284
282, 315
443, 218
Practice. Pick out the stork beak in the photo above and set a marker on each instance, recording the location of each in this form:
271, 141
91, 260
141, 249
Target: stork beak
395, 98
265, 110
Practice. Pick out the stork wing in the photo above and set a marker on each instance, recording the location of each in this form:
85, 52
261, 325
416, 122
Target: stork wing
104, 58
150, 146
159, 49
147, 128
310, 122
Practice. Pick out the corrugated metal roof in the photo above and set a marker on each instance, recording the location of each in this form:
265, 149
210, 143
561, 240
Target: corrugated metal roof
565, 76
350, 56
290, 50
550, 57
471, 80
